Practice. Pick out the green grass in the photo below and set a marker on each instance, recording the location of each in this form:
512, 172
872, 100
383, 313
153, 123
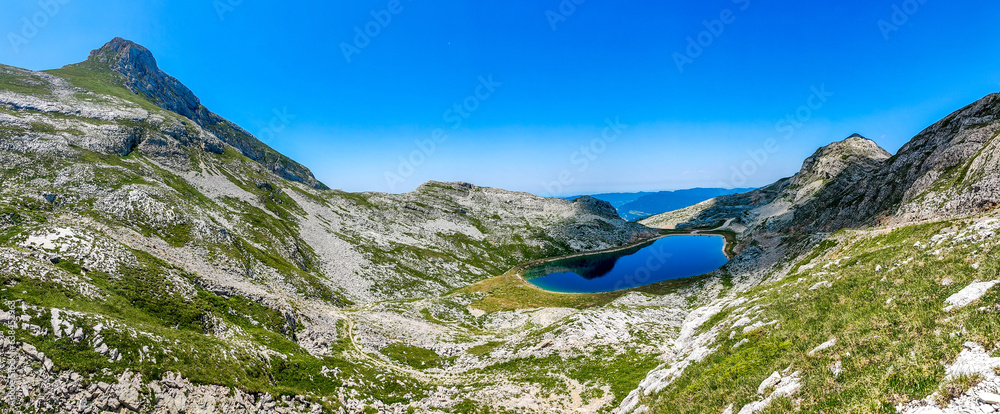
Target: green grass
42, 127
622, 372
600, 367
414, 356
823, 246
139, 297
484, 349
954, 388
890, 352
70, 266
102, 81
23, 83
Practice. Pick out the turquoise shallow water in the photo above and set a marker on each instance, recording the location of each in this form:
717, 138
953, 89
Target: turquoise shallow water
674, 257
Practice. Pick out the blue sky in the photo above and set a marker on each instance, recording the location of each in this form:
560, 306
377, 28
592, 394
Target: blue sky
551, 75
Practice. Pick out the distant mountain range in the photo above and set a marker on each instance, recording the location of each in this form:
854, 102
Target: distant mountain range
637, 206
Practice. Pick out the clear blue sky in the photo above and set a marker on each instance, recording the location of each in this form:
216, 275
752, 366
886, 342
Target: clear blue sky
352, 122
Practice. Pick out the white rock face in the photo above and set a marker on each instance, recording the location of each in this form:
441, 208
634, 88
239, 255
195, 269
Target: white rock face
823, 346
837, 368
968, 295
784, 386
974, 360
771, 381
822, 284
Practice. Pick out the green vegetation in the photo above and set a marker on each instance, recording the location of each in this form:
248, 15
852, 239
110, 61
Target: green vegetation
177, 335
890, 324
823, 246
42, 128
415, 356
621, 371
13, 80
954, 388
484, 349
99, 80
70, 266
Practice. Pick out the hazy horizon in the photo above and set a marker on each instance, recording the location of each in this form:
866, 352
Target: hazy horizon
554, 98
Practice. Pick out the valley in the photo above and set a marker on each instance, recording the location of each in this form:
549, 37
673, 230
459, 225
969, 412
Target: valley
155, 257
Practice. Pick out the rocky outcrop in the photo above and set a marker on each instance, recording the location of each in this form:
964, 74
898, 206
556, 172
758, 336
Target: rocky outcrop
28, 383
498, 228
950, 169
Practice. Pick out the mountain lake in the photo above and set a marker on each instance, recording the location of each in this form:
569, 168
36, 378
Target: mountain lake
672, 257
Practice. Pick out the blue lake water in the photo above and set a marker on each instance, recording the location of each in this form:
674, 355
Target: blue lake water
673, 257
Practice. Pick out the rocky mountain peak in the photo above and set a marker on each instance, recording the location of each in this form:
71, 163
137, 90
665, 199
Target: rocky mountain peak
600, 208
120, 50
831, 160
142, 75
857, 143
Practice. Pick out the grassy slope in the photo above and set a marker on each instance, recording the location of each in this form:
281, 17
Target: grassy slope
893, 334
134, 297
102, 81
